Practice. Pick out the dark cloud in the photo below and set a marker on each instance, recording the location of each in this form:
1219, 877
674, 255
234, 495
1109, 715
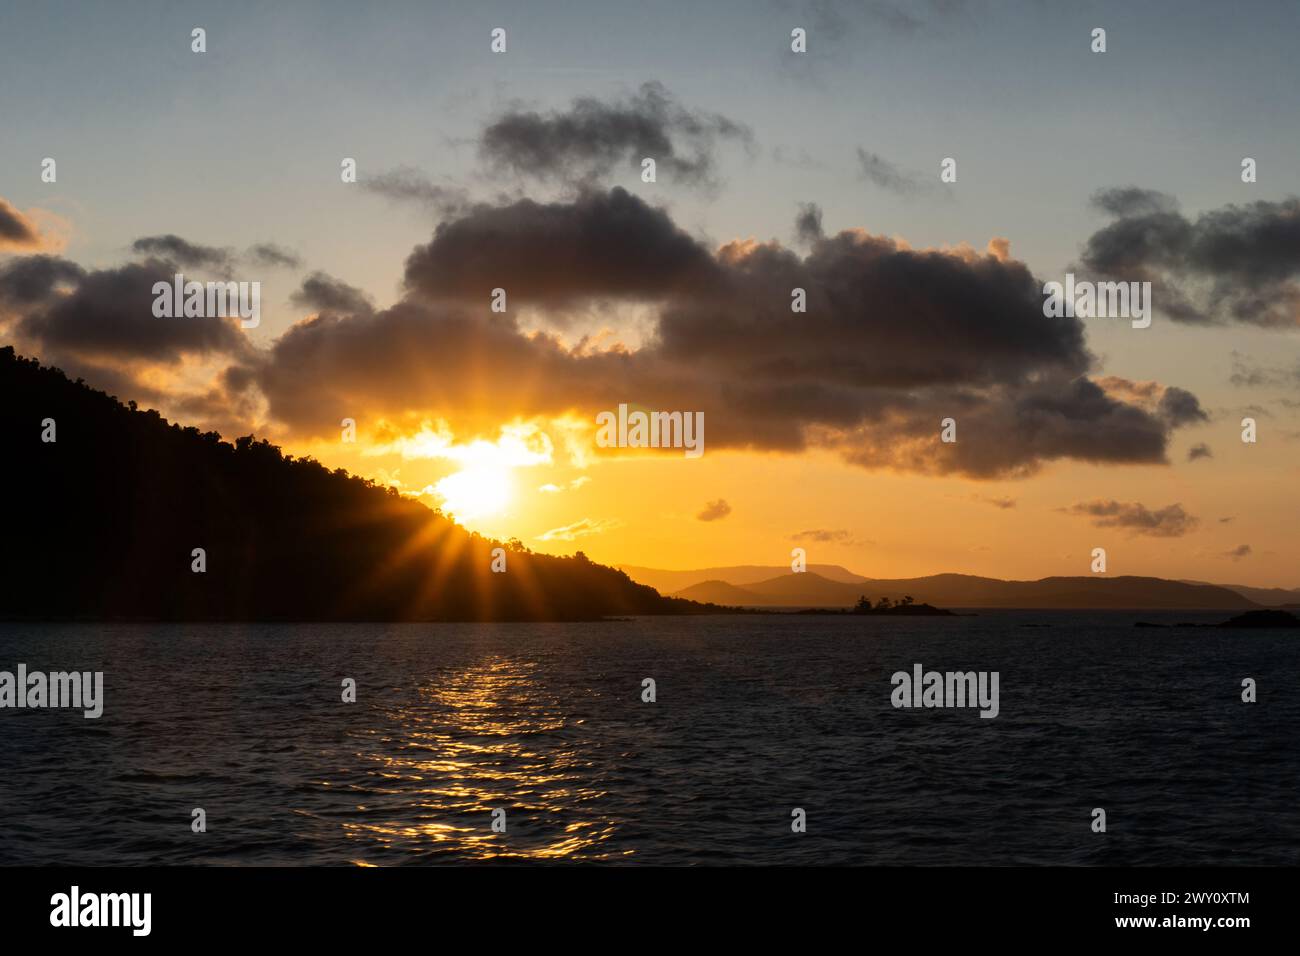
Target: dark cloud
410, 186
269, 254
1180, 407
1239, 552
184, 254
29, 280
600, 244
324, 293
1239, 263
880, 171
17, 231
1200, 450
714, 510
1132, 201
1168, 522
590, 139
1011, 431
108, 314
808, 224
894, 341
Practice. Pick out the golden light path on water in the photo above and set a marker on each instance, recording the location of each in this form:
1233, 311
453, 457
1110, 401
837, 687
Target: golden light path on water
477, 739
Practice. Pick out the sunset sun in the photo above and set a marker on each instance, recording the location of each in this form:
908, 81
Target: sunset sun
479, 491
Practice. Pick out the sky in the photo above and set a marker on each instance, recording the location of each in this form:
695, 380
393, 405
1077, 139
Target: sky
820, 170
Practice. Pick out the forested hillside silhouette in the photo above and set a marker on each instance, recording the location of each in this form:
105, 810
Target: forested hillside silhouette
101, 525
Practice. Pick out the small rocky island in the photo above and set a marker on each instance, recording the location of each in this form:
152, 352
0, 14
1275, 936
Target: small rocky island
904, 607
1268, 617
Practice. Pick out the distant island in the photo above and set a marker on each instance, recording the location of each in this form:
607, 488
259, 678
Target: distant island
904, 607
1263, 618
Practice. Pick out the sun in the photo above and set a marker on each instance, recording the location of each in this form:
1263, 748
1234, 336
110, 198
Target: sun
478, 491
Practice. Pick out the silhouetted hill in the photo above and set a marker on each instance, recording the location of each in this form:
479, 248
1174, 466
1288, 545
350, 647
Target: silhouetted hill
1268, 597
741, 575
101, 523
963, 590
720, 592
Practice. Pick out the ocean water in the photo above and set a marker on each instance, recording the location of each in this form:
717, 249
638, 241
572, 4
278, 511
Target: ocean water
754, 716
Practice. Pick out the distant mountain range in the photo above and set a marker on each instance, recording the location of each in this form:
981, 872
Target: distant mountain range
666, 582
833, 586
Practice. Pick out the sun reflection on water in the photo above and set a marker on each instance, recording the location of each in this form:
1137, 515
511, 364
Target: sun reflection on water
473, 740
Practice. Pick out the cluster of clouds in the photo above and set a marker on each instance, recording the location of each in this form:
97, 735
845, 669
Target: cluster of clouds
1170, 521
1235, 264
211, 259
894, 339
592, 138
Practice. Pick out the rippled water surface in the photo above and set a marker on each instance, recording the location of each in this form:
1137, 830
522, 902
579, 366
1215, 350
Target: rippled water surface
755, 716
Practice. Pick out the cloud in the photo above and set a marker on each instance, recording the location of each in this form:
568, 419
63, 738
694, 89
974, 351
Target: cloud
108, 314
1200, 450
894, 340
550, 488
714, 511
1237, 553
1235, 264
823, 535
410, 186
31, 280
837, 29
1176, 406
590, 139
183, 254
1168, 522
187, 255
1247, 373
269, 254
324, 293
1131, 201
579, 529
808, 224
19, 231
880, 171
1002, 503
599, 244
